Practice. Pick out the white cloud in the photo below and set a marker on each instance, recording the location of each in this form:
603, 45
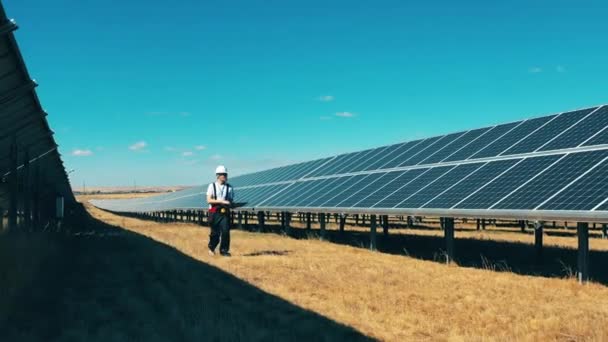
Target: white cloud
345, 114
200, 147
169, 149
187, 154
138, 146
326, 98
535, 70
216, 157
560, 68
325, 118
82, 153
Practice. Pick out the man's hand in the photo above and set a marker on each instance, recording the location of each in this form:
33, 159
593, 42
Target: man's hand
226, 202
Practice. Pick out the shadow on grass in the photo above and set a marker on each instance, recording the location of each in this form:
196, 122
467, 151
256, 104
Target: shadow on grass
107, 284
260, 253
516, 257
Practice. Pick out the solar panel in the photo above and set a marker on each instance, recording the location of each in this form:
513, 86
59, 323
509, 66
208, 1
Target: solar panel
555, 165
518, 134
477, 145
498, 188
581, 132
467, 186
545, 133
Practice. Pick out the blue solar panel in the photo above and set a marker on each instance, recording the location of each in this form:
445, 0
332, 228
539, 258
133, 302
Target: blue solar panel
456, 145
603, 207
336, 163
326, 194
440, 184
511, 138
547, 183
394, 152
322, 186
365, 197
469, 185
581, 131
584, 194
411, 182
558, 125
264, 192
359, 163
475, 146
441, 143
347, 162
281, 199
346, 190
494, 191
401, 159
301, 197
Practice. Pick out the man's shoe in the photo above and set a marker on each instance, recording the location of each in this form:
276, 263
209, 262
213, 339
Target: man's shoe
211, 253
226, 254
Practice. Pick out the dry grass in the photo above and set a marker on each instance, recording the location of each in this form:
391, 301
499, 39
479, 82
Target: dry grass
396, 298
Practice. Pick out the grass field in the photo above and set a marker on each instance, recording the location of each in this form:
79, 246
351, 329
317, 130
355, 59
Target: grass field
130, 279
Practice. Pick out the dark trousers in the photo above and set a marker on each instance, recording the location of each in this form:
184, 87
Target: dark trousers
220, 227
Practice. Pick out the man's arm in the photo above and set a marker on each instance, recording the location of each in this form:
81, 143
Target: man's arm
212, 201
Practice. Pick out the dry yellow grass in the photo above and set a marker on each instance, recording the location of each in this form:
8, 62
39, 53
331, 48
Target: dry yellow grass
396, 298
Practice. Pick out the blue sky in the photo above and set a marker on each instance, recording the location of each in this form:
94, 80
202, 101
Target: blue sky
159, 92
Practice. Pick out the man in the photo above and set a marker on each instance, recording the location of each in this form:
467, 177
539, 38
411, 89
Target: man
220, 197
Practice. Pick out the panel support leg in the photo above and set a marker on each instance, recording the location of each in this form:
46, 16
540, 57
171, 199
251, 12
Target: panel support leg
449, 238
308, 221
372, 233
240, 220
583, 252
538, 239
385, 225
288, 228
322, 223
605, 231
261, 221
342, 222
522, 225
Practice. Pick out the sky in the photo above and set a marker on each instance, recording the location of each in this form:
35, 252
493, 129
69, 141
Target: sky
152, 92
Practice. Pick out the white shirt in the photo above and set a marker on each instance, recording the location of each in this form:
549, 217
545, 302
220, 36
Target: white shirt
222, 191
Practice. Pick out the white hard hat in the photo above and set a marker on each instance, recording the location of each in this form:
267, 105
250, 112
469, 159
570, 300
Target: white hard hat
221, 169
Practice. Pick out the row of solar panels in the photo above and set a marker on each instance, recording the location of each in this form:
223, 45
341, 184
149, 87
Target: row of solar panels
586, 127
558, 182
23, 125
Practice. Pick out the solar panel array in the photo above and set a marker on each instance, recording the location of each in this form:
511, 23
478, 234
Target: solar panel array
26, 140
547, 167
